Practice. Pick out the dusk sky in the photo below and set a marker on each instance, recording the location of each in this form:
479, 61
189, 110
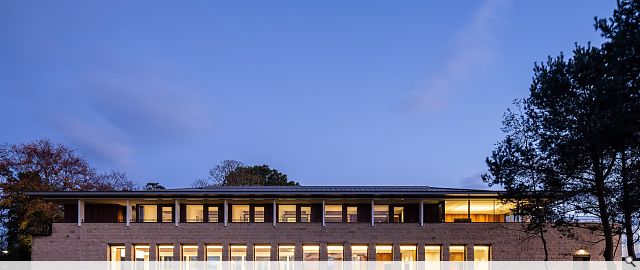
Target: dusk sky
328, 92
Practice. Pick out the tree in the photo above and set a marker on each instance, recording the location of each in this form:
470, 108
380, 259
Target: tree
622, 49
235, 173
42, 166
153, 186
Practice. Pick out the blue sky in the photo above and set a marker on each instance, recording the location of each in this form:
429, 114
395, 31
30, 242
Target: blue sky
329, 92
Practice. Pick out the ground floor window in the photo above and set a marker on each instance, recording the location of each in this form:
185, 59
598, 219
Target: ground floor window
117, 256
311, 253
286, 253
384, 253
141, 256
432, 256
238, 253
262, 253
359, 253
335, 253
481, 257
457, 253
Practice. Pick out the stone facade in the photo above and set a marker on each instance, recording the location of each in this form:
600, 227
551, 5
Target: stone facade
91, 240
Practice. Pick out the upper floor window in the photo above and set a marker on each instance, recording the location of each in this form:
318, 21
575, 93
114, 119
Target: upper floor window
305, 214
476, 211
286, 213
148, 213
381, 213
352, 214
258, 214
333, 213
166, 213
195, 213
212, 214
240, 213
398, 214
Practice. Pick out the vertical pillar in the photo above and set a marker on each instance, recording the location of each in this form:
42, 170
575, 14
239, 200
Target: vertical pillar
201, 251
225, 212
421, 213
323, 255
347, 251
297, 254
176, 212
274, 252
468, 252
153, 251
275, 213
445, 252
128, 213
128, 251
420, 252
323, 214
80, 212
373, 221
396, 255
371, 252
250, 252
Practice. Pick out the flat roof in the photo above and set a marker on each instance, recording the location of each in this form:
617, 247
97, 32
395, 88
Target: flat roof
276, 192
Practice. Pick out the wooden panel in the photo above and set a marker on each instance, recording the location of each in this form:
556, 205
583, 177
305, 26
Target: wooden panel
70, 213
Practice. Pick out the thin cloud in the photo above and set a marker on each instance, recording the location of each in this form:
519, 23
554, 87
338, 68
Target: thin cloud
474, 48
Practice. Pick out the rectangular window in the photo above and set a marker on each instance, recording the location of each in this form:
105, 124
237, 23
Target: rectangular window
352, 214
311, 253
335, 253
481, 257
238, 253
262, 253
148, 213
286, 253
305, 214
398, 214
258, 214
286, 213
214, 253
195, 213
408, 256
333, 213
117, 256
359, 253
384, 253
212, 214
167, 213
189, 253
457, 253
381, 213
456, 211
165, 253
432, 257
141, 257
240, 213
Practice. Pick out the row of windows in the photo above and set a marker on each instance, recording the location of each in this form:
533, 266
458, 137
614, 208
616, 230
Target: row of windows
286, 252
449, 211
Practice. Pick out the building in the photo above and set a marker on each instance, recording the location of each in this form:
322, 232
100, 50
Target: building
337, 223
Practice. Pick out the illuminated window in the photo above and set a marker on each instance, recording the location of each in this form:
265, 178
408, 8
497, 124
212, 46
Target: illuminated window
477, 211
190, 256
165, 253
335, 253
141, 256
116, 256
238, 253
359, 253
258, 214
262, 253
148, 213
384, 253
214, 253
167, 213
286, 213
212, 214
432, 257
240, 213
381, 213
195, 213
286, 253
310, 253
408, 256
352, 214
305, 214
333, 213
457, 253
481, 257
398, 214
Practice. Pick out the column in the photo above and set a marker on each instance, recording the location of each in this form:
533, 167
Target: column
445, 252
420, 252
275, 214
397, 256
80, 212
297, 255
323, 256
128, 251
469, 252
128, 213
323, 212
421, 213
347, 251
201, 251
225, 213
373, 221
250, 250
176, 212
153, 251
274, 252
371, 252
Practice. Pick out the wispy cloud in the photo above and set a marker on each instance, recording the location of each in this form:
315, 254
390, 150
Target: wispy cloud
474, 48
474, 181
